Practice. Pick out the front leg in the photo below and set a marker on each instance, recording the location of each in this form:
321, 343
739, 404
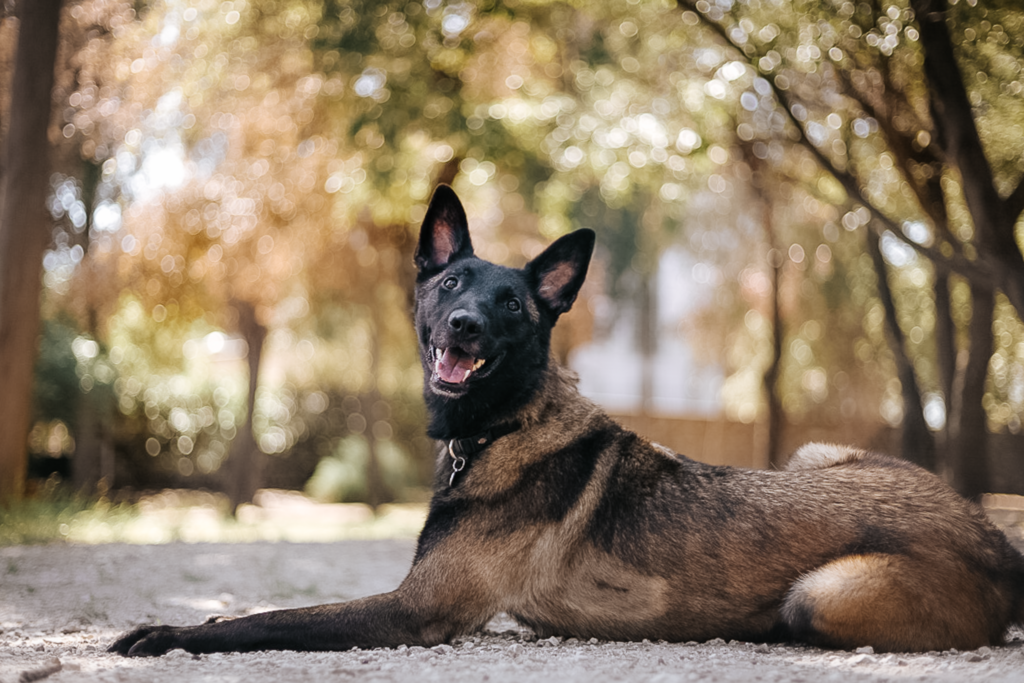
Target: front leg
387, 620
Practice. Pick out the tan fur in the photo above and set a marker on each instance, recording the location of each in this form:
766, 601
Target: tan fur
793, 523
894, 603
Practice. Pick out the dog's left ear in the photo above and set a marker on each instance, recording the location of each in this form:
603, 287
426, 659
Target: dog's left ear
558, 273
444, 235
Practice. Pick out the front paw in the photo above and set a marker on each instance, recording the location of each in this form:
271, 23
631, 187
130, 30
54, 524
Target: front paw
149, 641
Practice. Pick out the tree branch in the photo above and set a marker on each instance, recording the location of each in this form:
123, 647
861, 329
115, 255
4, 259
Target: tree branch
958, 136
929, 192
957, 263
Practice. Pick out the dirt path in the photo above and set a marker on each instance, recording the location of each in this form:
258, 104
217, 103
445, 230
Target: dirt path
61, 605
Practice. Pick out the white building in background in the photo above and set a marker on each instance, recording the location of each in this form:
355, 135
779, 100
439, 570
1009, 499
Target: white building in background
612, 368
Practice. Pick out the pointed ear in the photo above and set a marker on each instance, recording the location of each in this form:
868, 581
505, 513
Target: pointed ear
444, 235
558, 273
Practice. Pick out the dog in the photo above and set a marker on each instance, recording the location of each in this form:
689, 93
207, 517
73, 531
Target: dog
548, 510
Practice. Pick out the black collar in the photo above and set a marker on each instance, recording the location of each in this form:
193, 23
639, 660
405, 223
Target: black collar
471, 445
461, 449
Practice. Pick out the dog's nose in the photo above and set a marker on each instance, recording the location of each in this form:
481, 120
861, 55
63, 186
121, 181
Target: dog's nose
466, 323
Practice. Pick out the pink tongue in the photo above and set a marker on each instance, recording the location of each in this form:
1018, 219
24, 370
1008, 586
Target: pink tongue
454, 365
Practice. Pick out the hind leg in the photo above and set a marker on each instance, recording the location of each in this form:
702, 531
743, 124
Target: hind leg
892, 603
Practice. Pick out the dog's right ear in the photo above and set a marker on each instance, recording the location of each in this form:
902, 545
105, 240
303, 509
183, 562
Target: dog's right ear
444, 235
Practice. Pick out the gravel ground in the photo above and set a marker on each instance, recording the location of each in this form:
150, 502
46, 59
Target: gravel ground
61, 605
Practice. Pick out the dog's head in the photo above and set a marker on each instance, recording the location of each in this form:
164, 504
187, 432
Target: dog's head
484, 330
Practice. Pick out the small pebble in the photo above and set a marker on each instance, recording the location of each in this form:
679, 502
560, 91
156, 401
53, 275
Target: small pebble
39, 673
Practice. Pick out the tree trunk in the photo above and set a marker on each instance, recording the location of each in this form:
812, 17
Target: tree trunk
647, 338
85, 462
773, 442
377, 490
770, 380
994, 219
969, 423
945, 352
92, 464
918, 444
87, 467
24, 230
246, 462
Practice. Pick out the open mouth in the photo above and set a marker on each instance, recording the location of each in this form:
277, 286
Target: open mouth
454, 365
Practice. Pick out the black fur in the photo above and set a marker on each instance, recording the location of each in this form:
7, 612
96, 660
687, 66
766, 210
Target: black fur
442, 521
876, 540
465, 302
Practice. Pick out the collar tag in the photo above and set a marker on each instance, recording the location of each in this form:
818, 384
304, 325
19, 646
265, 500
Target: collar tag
458, 462
460, 449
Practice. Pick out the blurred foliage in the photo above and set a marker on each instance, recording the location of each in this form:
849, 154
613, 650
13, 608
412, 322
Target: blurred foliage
48, 515
56, 515
282, 154
850, 77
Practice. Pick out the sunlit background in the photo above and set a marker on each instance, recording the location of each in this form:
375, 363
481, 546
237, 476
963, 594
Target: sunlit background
239, 186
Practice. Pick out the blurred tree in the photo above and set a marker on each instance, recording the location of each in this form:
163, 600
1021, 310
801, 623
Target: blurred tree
260, 167
838, 71
917, 441
252, 175
82, 213
24, 228
761, 183
226, 236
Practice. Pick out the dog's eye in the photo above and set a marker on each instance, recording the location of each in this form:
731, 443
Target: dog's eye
513, 305
450, 283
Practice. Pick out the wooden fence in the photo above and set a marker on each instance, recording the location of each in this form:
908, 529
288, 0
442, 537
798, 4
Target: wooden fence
723, 442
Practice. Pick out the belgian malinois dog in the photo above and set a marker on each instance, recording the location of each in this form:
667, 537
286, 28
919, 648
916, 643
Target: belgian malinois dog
546, 509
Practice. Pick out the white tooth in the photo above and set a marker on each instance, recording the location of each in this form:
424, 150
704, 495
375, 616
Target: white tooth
466, 376
479, 364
